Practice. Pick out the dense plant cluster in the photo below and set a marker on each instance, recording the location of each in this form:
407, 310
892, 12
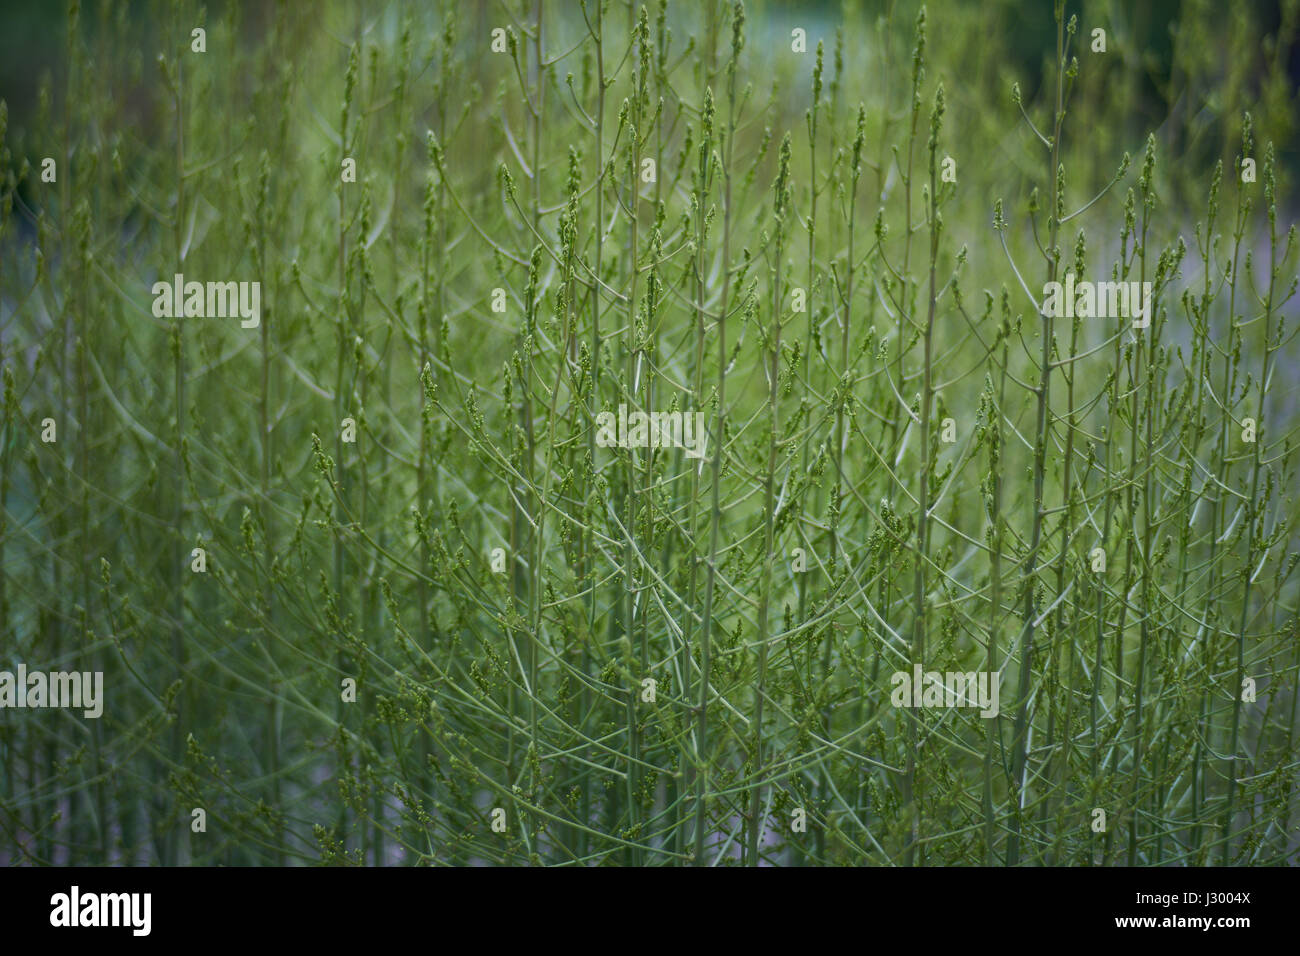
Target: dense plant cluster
365, 580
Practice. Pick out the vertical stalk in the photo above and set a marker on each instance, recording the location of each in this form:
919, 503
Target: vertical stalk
715, 521
1253, 533
781, 201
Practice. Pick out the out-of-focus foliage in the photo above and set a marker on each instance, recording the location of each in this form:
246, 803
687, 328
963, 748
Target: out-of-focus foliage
916, 469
